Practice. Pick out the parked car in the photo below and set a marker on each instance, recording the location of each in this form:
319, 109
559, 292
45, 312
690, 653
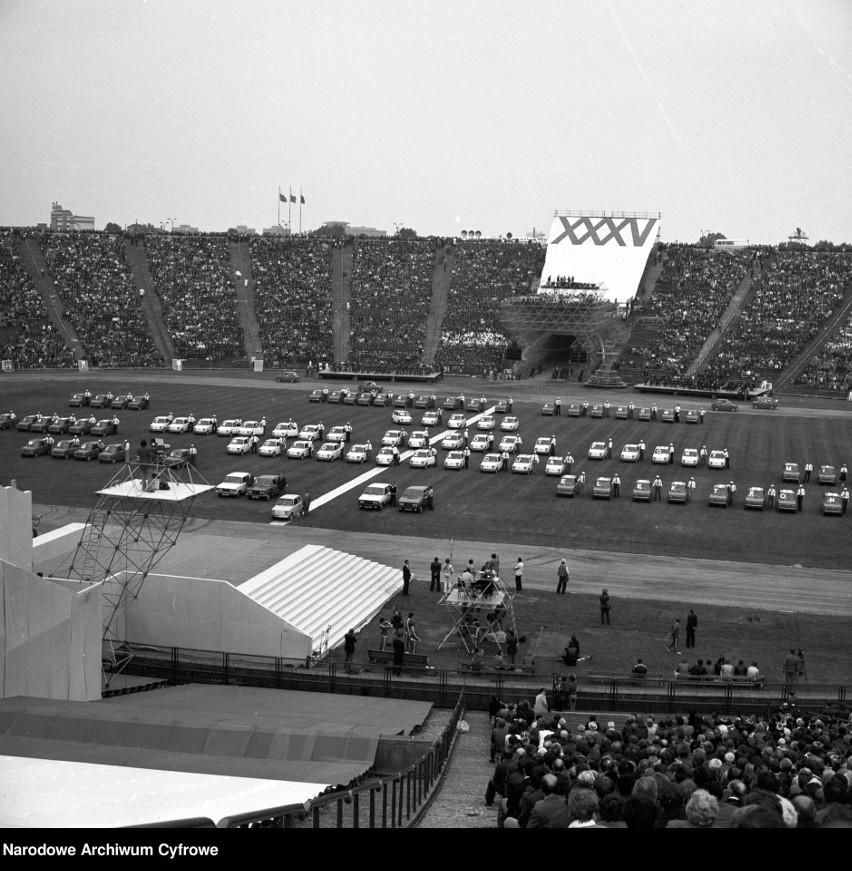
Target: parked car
491, 463
689, 457
555, 466
720, 495
271, 448
139, 403
765, 402
336, 434
239, 445
827, 475
716, 460
102, 400
661, 454
642, 491
300, 450
179, 458
105, 427
723, 405
229, 427
832, 504
668, 415
454, 460
423, 459
791, 472
452, 441
252, 428
235, 484
486, 423
114, 453
288, 506
401, 416
61, 426
205, 426
510, 423
432, 418
37, 447
603, 488
755, 498
286, 429
692, 416
25, 423
510, 444
630, 454
569, 485
416, 498
312, 432
393, 438
357, 454
542, 445
81, 427
375, 497
79, 400
385, 456
482, 441
418, 439
330, 451
63, 450
160, 423
267, 487
457, 421
786, 501
677, 492
645, 413
523, 464
318, 395
181, 425
598, 451
88, 451
548, 409
287, 376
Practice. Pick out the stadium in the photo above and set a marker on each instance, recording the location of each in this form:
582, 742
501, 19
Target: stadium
762, 581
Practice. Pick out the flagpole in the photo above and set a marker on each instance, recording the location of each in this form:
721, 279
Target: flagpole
289, 209
301, 200
279, 207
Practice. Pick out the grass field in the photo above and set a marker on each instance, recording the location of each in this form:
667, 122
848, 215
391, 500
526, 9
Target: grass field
511, 508
479, 506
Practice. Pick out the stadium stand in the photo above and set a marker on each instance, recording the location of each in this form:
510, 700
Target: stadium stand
293, 302
192, 275
484, 273
27, 337
96, 285
831, 367
798, 292
390, 296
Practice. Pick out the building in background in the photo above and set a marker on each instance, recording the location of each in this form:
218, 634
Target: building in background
62, 220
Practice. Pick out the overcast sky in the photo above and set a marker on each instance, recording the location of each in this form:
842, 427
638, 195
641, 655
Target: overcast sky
731, 115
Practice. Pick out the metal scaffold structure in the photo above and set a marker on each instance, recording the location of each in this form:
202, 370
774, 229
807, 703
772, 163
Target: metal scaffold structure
482, 610
133, 525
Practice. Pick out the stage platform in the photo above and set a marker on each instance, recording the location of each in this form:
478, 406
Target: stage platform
425, 378
177, 491
694, 393
189, 751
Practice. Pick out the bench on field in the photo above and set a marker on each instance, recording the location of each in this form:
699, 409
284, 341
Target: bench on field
417, 661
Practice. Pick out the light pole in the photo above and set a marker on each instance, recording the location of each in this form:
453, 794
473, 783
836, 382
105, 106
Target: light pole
172, 223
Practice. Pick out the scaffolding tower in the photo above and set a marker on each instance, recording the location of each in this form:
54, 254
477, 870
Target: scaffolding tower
132, 526
481, 610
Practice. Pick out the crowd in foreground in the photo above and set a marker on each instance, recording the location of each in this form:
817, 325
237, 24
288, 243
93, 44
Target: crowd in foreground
560, 770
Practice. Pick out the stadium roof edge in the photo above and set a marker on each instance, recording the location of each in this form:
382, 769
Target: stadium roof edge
598, 213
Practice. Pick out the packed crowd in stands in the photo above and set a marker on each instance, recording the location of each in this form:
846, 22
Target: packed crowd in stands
193, 280
293, 301
484, 274
560, 770
690, 297
831, 367
27, 336
390, 297
794, 296
94, 280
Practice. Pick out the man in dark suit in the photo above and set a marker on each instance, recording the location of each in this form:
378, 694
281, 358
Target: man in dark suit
544, 810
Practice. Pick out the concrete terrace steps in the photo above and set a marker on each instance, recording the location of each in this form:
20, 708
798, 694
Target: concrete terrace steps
342, 260
137, 256
244, 289
442, 274
317, 587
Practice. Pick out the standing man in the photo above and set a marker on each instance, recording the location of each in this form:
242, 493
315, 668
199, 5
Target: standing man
605, 607
658, 489
641, 449
616, 486
609, 448
701, 413
727, 459
809, 467
435, 583
702, 456
691, 626
393, 495
143, 455
466, 456
349, 642
448, 575
770, 496
406, 578
411, 633
254, 441
674, 637
800, 498
562, 574
790, 669
843, 473
690, 489
398, 652
519, 573
495, 564
307, 502
466, 439
557, 407
844, 498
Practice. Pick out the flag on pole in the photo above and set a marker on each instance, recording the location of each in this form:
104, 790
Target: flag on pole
292, 198
282, 197
302, 198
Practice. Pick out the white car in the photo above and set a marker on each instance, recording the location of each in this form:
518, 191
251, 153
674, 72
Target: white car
252, 427
660, 455
431, 418
239, 445
287, 429
454, 460
491, 463
401, 415
159, 424
542, 445
689, 457
716, 460
230, 427
487, 423
523, 464
235, 484
555, 466
452, 441
630, 454
385, 456
180, 424
330, 451
357, 454
337, 434
418, 439
205, 426
271, 448
510, 444
482, 441
300, 450
457, 421
597, 451
312, 432
393, 438
375, 496
288, 506
510, 424
423, 459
